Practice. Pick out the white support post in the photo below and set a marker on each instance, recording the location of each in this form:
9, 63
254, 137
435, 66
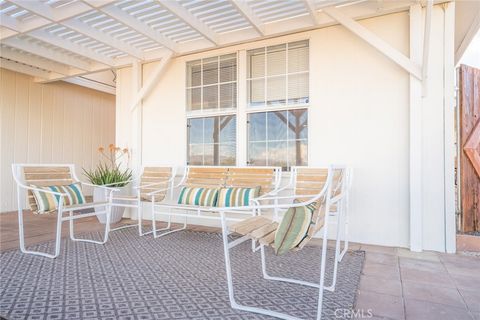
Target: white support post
150, 84
416, 205
449, 131
393, 54
241, 107
137, 75
427, 35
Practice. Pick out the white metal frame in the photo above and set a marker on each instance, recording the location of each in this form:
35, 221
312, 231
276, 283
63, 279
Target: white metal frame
340, 215
198, 211
136, 203
227, 246
17, 176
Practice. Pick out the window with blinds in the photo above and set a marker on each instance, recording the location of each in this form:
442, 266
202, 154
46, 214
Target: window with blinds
278, 75
212, 83
212, 140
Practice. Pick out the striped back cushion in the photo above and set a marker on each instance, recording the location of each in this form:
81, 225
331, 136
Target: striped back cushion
236, 197
316, 223
292, 229
198, 196
47, 202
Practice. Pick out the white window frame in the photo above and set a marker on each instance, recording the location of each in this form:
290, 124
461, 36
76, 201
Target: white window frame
265, 107
208, 113
286, 107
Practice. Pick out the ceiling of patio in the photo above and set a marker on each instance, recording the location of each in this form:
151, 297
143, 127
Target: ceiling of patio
59, 39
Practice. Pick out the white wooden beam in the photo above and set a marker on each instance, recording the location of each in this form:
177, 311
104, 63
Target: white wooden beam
248, 14
47, 53
84, 82
427, 35
183, 14
46, 37
151, 83
59, 16
375, 41
128, 20
310, 6
33, 60
416, 136
22, 68
472, 31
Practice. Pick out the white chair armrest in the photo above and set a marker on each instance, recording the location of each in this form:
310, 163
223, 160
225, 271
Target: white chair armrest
43, 190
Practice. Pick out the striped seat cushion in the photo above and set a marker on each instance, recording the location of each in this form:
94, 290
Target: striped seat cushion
206, 197
236, 197
293, 228
47, 202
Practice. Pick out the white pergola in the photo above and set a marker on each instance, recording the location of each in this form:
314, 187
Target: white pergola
60, 39
64, 39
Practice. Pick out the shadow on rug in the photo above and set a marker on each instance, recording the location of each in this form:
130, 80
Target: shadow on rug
180, 276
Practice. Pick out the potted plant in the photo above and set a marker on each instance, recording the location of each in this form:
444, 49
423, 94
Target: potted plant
110, 173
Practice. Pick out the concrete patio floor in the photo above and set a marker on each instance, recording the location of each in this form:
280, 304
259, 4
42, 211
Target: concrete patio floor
395, 283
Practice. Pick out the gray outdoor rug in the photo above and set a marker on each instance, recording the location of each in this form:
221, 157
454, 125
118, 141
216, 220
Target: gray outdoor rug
180, 276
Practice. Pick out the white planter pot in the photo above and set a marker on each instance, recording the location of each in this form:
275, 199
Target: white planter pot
99, 195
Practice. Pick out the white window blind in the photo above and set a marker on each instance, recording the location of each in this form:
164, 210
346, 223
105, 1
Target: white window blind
212, 83
278, 75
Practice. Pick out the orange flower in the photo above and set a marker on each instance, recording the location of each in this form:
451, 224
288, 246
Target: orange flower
125, 150
101, 149
111, 146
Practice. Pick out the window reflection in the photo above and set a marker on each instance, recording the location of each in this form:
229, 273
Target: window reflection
278, 138
212, 140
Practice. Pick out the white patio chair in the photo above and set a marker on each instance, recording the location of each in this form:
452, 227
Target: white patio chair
263, 230
154, 184
29, 177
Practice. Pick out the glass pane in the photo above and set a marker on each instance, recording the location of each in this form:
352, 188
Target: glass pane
195, 154
257, 153
228, 68
298, 124
228, 129
298, 56
276, 60
257, 129
195, 131
194, 99
210, 97
208, 156
298, 88
210, 71
277, 125
210, 130
228, 95
276, 91
256, 63
297, 153
256, 92
277, 154
227, 154
194, 72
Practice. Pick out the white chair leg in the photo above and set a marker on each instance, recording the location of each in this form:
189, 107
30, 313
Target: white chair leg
170, 230
107, 228
323, 267
21, 233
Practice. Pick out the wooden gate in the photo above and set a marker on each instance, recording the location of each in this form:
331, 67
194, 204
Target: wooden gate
470, 148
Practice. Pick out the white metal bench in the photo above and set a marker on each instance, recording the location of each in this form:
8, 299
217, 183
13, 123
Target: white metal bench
27, 176
268, 178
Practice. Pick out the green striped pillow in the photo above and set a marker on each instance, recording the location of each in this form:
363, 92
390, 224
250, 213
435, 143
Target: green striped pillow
292, 229
236, 197
206, 197
47, 202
